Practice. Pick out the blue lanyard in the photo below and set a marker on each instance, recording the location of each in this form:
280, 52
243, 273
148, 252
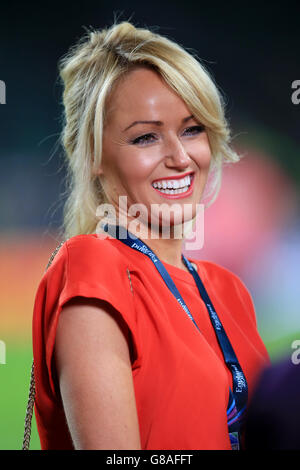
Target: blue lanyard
239, 395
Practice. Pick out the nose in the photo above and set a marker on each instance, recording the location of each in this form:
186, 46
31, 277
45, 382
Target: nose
176, 155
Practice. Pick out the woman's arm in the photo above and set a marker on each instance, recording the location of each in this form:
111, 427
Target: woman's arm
95, 376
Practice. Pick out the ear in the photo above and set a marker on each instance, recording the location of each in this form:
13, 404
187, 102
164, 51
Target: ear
98, 171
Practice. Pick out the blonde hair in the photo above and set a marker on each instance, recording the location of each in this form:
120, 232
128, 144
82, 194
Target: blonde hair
89, 71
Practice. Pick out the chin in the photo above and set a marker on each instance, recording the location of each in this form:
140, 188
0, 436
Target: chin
170, 225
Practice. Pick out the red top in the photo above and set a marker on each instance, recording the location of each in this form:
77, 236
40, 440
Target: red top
181, 381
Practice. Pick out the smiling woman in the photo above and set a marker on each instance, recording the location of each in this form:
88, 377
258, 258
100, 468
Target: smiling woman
135, 346
169, 149
92, 72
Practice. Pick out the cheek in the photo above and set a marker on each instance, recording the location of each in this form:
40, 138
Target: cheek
201, 153
138, 165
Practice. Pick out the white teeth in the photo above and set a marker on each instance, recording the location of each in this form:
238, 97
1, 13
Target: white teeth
173, 184
173, 191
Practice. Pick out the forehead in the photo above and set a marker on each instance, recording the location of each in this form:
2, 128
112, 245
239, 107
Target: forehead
143, 94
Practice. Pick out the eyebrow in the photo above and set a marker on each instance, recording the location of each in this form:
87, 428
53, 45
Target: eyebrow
157, 123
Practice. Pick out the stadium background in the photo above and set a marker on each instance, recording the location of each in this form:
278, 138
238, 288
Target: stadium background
253, 228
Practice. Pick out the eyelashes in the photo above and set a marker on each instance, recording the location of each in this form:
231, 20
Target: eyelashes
150, 137
143, 139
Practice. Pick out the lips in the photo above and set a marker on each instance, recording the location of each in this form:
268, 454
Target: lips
175, 177
181, 195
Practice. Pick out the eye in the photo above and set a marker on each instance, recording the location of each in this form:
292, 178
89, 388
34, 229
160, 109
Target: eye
194, 130
143, 139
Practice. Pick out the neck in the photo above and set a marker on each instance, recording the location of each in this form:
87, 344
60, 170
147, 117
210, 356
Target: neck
166, 246
167, 250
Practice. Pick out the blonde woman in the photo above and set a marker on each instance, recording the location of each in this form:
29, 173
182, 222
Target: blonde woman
136, 346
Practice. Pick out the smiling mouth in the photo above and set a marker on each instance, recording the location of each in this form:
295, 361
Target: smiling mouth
174, 187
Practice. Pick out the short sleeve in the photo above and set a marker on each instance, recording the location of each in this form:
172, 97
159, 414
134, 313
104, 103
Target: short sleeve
88, 267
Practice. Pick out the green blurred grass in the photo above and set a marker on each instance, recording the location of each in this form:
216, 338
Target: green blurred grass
15, 378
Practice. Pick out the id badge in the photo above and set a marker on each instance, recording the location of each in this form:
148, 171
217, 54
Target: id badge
234, 440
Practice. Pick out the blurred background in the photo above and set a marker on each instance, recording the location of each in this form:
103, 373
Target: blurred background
253, 228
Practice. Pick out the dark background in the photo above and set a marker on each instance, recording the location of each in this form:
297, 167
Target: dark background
252, 49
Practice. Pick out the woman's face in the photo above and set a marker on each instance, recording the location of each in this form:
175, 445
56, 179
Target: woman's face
154, 151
